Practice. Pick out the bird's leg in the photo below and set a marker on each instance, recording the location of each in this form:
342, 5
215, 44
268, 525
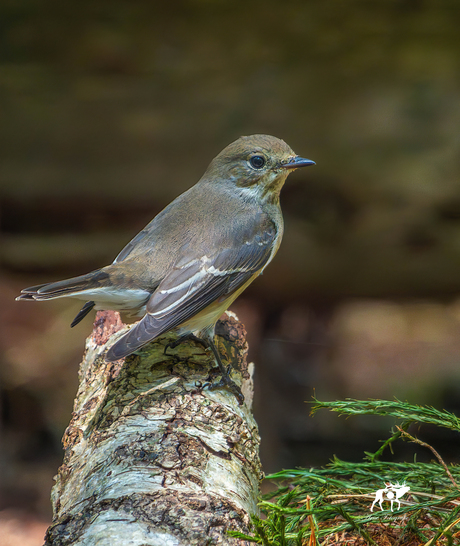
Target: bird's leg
226, 381
186, 337
208, 342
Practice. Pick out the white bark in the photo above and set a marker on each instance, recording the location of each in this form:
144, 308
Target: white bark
150, 459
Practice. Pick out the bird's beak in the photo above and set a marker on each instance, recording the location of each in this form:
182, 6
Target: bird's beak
297, 162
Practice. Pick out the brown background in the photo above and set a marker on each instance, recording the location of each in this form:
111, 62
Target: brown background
111, 109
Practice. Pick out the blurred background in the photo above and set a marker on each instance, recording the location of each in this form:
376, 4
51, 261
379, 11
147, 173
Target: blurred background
109, 110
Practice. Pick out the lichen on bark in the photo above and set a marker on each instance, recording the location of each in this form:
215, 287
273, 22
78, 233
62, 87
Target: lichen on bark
152, 457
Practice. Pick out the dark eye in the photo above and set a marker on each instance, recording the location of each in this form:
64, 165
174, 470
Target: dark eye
257, 161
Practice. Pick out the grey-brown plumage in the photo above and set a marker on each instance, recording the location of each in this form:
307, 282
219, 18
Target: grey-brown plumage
196, 256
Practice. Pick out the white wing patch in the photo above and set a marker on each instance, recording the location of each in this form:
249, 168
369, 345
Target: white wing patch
194, 282
189, 281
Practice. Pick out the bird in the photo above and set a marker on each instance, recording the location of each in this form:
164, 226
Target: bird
187, 266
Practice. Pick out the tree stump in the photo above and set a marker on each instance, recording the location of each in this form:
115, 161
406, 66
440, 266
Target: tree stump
152, 457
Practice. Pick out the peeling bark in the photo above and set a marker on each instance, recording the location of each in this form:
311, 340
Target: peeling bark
150, 457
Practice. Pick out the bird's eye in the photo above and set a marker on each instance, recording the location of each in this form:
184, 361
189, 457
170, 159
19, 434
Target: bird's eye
257, 161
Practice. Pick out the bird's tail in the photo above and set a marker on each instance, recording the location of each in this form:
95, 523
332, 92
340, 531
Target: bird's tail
74, 287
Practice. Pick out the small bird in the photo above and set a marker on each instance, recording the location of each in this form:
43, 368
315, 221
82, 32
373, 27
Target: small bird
187, 266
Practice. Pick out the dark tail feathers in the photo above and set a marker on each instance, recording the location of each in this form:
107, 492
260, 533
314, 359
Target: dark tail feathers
64, 288
82, 313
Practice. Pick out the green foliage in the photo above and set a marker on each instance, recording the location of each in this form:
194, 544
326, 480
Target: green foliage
312, 506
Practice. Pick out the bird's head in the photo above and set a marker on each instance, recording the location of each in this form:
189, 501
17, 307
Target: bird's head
258, 164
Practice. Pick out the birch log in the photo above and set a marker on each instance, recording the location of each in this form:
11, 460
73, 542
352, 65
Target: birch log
151, 458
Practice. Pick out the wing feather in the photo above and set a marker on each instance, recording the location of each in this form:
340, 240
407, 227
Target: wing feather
192, 286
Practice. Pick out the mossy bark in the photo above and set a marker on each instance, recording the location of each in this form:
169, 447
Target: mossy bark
151, 456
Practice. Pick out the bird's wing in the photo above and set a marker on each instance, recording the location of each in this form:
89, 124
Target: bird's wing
193, 285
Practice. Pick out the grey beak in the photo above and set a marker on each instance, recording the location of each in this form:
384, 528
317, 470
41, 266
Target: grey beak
297, 162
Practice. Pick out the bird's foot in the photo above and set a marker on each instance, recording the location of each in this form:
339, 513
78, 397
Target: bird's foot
182, 339
227, 383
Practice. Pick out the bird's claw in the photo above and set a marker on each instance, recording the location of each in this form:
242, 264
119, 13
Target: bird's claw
182, 339
227, 383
